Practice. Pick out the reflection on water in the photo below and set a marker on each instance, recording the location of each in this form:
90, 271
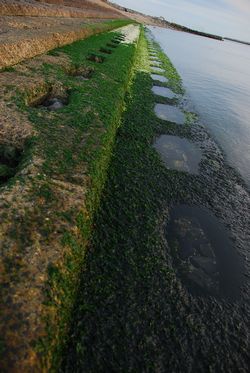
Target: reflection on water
169, 113
178, 154
216, 76
204, 255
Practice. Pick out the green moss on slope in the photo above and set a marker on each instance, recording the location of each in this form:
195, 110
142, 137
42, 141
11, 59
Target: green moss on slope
78, 139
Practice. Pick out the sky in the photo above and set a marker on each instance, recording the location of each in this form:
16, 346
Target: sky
229, 18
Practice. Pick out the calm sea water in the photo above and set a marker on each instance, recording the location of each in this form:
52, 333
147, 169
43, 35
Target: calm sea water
216, 76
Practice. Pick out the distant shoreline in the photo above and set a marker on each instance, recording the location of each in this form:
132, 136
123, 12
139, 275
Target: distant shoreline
161, 22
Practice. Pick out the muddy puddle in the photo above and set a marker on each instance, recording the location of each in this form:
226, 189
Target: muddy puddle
164, 92
178, 154
169, 113
155, 63
160, 78
157, 69
154, 59
204, 255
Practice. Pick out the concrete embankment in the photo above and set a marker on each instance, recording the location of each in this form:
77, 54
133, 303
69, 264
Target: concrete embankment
18, 49
165, 286
60, 114
30, 28
56, 8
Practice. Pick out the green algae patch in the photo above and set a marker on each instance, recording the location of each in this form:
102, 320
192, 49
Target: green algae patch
125, 263
133, 313
49, 207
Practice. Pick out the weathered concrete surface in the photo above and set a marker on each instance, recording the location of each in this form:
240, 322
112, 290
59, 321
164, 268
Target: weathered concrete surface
32, 229
130, 33
29, 28
57, 8
23, 45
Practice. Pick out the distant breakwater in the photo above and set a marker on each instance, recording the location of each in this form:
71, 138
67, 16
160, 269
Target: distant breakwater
238, 41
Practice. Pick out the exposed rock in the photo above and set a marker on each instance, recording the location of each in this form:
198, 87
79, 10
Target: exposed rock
54, 104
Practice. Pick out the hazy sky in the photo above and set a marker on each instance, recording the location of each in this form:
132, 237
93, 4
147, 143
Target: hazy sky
223, 17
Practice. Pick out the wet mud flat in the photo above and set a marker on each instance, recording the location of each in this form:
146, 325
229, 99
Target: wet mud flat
141, 307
